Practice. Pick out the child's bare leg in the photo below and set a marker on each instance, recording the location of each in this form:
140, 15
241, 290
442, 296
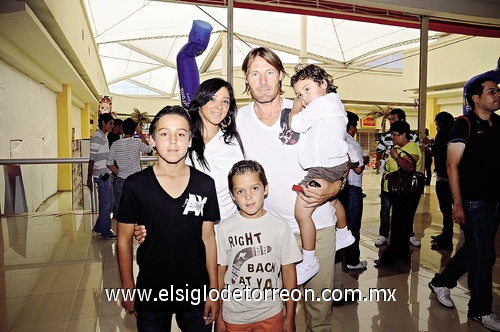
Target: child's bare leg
339, 213
309, 265
344, 237
303, 216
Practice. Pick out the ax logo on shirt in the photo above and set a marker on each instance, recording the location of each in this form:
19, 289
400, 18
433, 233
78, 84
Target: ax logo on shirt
194, 203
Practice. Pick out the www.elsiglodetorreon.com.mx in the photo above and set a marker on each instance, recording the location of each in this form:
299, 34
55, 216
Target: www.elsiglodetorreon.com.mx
195, 296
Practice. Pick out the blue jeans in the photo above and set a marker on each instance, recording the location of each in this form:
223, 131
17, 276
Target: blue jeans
191, 321
103, 223
445, 205
385, 214
352, 200
117, 187
477, 256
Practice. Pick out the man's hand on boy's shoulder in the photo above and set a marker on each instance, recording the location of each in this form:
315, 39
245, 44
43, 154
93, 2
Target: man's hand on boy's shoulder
315, 196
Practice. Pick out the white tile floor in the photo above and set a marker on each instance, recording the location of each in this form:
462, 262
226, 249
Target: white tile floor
52, 275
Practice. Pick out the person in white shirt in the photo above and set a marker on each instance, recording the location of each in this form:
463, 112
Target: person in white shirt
261, 125
216, 144
126, 152
319, 116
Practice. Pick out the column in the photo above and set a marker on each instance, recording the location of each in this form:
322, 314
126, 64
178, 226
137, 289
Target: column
85, 121
64, 122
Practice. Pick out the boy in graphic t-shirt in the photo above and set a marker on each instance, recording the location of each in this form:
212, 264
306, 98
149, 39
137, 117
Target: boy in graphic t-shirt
254, 249
178, 205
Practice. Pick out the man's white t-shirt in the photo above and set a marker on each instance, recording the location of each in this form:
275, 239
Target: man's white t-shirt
262, 144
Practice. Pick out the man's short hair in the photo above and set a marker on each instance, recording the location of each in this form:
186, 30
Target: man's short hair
476, 88
400, 113
352, 119
129, 126
243, 166
443, 117
106, 117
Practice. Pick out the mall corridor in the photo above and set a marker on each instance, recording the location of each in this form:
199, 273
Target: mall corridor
53, 272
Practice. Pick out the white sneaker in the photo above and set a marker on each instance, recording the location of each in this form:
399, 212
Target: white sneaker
414, 241
381, 240
491, 321
443, 295
361, 265
345, 241
306, 271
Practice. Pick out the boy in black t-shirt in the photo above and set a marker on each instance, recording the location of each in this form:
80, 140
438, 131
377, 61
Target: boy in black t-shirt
178, 260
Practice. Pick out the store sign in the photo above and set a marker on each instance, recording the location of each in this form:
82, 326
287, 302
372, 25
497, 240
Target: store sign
105, 104
369, 122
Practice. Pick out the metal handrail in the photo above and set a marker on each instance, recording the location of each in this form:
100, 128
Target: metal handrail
75, 160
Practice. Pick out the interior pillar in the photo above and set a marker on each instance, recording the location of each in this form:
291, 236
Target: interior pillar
64, 173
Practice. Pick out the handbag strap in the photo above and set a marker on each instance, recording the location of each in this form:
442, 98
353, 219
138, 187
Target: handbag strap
411, 157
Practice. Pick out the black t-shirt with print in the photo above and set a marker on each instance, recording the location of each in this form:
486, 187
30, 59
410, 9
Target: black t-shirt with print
173, 253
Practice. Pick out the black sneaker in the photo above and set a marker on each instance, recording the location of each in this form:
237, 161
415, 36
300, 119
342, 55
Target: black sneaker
437, 237
111, 236
442, 245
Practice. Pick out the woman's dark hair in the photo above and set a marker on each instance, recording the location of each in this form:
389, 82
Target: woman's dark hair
401, 127
203, 94
171, 110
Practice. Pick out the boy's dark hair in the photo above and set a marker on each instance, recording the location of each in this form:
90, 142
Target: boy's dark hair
129, 126
268, 55
401, 127
171, 110
106, 117
400, 113
352, 119
118, 122
244, 166
476, 88
443, 117
315, 73
203, 95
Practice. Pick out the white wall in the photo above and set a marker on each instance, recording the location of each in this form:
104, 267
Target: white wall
28, 113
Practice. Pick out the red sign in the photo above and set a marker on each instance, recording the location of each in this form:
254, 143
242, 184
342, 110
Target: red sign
368, 121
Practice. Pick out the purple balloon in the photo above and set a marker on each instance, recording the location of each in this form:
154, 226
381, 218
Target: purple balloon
187, 70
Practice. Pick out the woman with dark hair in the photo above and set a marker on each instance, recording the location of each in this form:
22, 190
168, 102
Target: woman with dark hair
216, 144
404, 206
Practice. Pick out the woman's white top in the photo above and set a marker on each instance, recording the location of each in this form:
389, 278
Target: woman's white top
220, 158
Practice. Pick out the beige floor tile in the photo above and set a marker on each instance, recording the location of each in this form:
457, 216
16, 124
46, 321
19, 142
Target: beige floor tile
53, 272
